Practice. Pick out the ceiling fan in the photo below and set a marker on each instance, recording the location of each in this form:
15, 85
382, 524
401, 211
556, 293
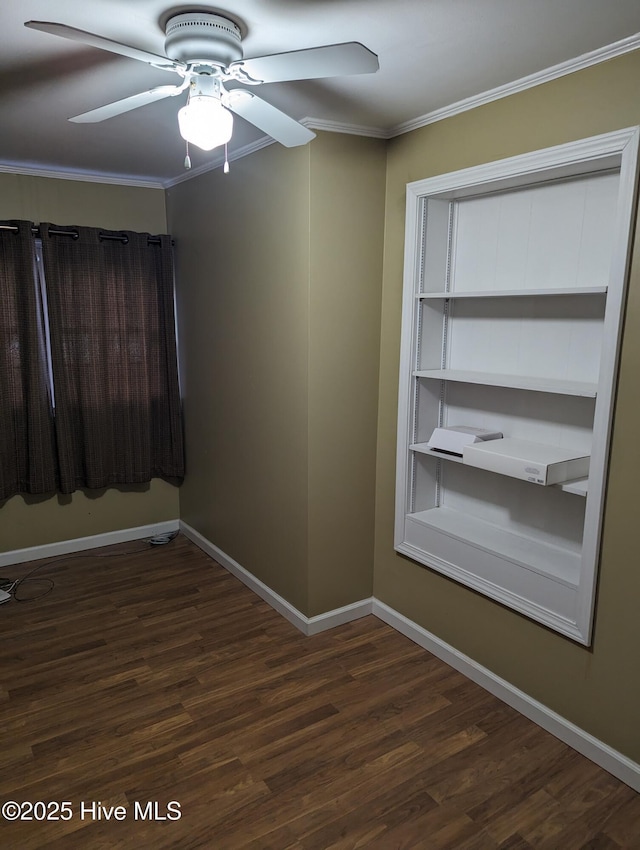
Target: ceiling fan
205, 49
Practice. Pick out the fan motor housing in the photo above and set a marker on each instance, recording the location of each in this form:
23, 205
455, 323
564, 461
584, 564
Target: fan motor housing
202, 37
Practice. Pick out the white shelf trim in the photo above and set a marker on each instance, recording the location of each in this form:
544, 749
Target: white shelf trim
597, 153
516, 293
518, 382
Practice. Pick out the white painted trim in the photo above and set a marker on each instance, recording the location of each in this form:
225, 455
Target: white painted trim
79, 544
339, 616
594, 57
218, 161
591, 154
262, 590
602, 754
347, 129
81, 176
307, 625
586, 60
312, 123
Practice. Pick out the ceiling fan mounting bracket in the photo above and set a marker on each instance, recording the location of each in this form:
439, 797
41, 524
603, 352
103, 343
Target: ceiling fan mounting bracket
202, 38
205, 85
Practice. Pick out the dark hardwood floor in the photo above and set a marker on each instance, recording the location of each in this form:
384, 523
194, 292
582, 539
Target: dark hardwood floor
156, 676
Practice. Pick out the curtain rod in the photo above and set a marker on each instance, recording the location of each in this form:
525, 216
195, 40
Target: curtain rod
151, 240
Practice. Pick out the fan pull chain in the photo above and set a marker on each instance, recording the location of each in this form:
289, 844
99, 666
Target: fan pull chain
187, 159
226, 159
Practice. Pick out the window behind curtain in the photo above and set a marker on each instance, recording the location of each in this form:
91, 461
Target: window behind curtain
27, 449
112, 332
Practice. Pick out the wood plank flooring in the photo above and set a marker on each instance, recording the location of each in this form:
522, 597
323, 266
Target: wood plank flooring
155, 676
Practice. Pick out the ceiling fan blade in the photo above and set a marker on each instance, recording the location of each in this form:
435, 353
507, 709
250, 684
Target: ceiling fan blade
106, 44
333, 60
268, 118
118, 107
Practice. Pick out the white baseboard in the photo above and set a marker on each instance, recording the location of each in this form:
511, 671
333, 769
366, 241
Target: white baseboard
339, 616
603, 755
262, 590
307, 625
592, 748
79, 544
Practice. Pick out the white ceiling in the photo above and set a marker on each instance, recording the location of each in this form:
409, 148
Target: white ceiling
433, 53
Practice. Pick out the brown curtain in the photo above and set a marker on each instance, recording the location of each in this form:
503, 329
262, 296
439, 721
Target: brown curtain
112, 329
27, 448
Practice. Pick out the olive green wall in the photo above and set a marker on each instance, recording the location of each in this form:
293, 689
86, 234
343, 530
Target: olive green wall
598, 689
347, 218
29, 521
242, 253
279, 287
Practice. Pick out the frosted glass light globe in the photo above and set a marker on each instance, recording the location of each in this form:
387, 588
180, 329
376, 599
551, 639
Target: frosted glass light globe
205, 122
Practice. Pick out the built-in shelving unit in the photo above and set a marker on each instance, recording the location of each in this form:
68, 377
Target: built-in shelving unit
515, 274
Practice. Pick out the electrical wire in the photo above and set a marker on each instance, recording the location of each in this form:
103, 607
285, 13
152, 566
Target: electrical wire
11, 586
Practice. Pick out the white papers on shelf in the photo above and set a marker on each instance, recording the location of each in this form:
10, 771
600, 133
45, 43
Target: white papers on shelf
535, 462
453, 439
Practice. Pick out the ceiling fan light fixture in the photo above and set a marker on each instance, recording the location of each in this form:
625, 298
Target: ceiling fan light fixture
205, 50
205, 122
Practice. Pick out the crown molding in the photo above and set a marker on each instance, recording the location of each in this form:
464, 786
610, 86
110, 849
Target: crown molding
81, 176
265, 141
218, 161
594, 57
348, 129
586, 60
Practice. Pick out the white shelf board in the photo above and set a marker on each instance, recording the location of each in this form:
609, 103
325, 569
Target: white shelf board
559, 564
579, 486
516, 293
424, 449
518, 382
539, 463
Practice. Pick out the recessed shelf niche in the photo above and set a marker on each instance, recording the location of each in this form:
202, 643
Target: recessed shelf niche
515, 275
